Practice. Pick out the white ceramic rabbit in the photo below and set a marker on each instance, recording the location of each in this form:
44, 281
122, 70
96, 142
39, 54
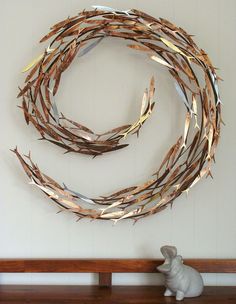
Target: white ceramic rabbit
180, 280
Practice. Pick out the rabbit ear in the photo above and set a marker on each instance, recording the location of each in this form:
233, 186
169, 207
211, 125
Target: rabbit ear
169, 252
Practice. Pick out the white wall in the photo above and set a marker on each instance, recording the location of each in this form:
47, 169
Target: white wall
103, 90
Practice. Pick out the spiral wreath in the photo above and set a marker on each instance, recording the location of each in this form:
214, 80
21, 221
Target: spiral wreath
188, 159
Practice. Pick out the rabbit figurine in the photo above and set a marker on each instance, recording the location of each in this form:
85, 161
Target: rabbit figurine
180, 280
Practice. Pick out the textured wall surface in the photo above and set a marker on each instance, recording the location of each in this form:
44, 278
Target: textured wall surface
103, 90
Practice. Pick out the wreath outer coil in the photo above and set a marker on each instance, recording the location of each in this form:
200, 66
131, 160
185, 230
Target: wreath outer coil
186, 162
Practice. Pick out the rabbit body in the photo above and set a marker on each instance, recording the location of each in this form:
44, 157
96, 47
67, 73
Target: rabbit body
180, 280
185, 279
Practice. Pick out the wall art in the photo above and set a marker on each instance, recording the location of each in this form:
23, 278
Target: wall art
188, 159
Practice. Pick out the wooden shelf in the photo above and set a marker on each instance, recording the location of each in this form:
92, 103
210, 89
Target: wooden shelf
16, 294
105, 293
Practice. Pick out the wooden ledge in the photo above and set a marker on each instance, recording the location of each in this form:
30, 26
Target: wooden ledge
109, 265
11, 294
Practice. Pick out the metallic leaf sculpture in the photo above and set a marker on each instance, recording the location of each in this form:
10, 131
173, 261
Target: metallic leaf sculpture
187, 161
